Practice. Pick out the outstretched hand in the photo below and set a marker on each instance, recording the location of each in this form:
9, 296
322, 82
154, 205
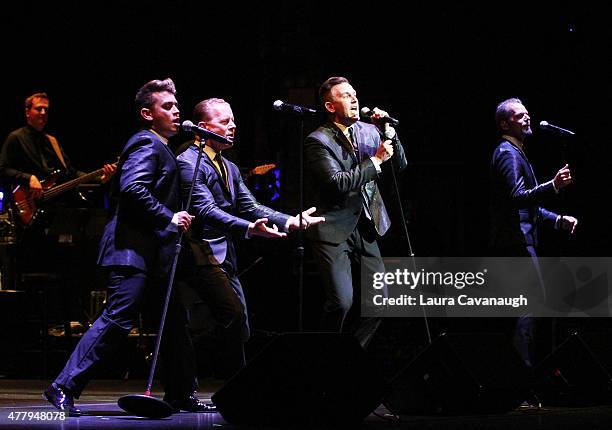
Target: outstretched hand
259, 228
307, 220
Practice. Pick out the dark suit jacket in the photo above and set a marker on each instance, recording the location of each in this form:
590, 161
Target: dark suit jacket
515, 199
141, 234
28, 152
222, 215
340, 183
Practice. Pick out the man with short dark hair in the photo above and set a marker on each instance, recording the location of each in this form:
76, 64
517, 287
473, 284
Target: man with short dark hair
344, 158
137, 250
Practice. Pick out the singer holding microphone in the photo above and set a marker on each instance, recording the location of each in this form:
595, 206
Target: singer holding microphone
516, 213
344, 157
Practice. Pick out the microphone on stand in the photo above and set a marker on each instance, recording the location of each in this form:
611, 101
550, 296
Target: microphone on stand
545, 125
205, 134
299, 110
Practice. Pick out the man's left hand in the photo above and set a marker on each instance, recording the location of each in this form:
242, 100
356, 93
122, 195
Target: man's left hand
568, 223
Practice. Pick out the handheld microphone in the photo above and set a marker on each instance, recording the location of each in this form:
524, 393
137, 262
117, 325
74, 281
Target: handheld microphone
205, 134
299, 110
365, 111
544, 125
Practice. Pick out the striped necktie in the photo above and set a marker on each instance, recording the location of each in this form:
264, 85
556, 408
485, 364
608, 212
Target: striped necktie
351, 132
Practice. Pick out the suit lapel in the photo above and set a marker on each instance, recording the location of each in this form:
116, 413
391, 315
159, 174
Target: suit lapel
338, 136
526, 161
156, 137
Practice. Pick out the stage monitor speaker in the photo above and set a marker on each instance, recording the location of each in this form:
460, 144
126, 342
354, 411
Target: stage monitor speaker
460, 374
304, 379
574, 374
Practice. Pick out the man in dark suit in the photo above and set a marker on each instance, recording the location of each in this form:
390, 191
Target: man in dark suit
516, 197
344, 158
225, 211
30, 156
136, 249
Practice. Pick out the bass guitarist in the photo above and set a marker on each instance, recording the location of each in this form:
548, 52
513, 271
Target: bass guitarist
30, 155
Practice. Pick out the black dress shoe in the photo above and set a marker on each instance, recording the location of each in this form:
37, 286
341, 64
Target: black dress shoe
61, 399
531, 403
191, 403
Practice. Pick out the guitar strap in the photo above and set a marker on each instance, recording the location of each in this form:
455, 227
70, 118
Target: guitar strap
56, 148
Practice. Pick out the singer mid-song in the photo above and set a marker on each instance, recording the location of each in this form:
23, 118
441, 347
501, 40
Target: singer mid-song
225, 212
345, 157
135, 250
516, 213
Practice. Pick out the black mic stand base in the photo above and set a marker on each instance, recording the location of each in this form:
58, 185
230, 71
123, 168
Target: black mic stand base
143, 405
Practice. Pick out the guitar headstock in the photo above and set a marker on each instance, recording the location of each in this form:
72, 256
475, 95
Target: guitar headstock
263, 169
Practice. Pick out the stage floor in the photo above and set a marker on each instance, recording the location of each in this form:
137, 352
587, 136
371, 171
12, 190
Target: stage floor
20, 400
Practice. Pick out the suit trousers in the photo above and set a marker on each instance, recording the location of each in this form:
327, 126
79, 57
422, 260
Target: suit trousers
220, 289
336, 263
125, 292
526, 325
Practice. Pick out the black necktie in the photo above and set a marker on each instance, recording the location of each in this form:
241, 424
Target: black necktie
221, 167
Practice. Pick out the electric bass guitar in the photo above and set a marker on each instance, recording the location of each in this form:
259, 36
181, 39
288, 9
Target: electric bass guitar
259, 170
26, 207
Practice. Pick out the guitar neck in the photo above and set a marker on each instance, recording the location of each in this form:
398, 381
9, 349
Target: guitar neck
61, 188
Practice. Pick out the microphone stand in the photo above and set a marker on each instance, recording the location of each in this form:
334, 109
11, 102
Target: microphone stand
563, 198
299, 251
405, 225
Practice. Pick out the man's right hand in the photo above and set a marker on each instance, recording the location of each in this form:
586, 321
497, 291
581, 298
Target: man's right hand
182, 220
563, 178
35, 187
384, 151
259, 228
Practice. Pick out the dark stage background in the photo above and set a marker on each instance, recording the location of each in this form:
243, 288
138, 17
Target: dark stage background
440, 69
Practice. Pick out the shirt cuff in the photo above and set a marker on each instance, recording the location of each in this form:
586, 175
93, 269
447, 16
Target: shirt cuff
554, 187
174, 222
376, 164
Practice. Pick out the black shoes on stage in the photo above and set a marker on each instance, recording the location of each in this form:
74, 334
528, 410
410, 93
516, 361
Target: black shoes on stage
190, 403
62, 399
